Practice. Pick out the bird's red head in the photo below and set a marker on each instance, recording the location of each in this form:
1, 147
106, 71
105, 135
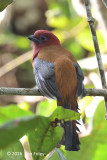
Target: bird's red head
41, 39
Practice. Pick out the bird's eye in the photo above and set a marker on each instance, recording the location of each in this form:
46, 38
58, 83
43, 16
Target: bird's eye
43, 38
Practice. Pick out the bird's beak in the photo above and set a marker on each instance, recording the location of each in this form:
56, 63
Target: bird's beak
32, 38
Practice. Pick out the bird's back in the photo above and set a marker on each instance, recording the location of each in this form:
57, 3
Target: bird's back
65, 72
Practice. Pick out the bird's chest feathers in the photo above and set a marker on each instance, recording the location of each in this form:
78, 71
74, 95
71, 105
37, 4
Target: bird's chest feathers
51, 53
48, 57
42, 66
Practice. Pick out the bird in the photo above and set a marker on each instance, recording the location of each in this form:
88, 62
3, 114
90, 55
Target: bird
58, 76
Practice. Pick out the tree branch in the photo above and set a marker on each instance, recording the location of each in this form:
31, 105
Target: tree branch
91, 20
35, 91
20, 91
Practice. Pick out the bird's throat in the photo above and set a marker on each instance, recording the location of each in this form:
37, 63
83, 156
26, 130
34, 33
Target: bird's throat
35, 51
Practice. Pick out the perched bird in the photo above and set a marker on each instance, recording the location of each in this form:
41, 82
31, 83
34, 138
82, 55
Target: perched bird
58, 76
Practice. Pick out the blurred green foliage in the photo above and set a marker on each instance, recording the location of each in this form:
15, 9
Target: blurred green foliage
85, 40
11, 112
72, 30
4, 4
17, 119
19, 42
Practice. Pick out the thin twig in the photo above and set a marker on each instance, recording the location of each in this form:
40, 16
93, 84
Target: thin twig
35, 91
91, 20
15, 62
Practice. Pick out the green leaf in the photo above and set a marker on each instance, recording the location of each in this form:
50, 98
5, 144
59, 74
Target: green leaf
94, 146
13, 152
13, 130
42, 136
44, 139
46, 107
4, 4
11, 112
64, 114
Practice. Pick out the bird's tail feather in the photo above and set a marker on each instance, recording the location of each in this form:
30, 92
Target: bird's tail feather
70, 138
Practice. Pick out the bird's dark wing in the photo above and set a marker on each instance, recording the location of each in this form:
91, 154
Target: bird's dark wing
80, 78
45, 78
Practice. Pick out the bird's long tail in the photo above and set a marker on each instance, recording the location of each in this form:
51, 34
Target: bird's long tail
70, 138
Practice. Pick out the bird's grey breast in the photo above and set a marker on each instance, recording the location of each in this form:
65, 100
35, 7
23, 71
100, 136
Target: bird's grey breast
45, 78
